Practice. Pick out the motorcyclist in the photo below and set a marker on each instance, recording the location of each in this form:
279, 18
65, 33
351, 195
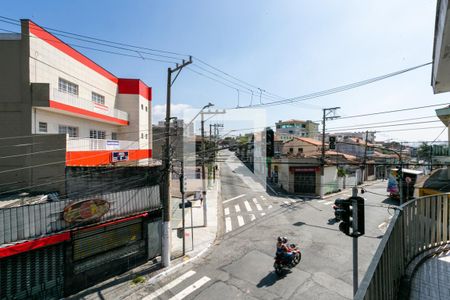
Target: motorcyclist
283, 250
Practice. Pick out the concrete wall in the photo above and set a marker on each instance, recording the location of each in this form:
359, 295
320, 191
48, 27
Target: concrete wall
54, 119
33, 164
139, 115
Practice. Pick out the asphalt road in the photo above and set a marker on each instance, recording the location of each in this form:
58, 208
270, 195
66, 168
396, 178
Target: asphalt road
240, 265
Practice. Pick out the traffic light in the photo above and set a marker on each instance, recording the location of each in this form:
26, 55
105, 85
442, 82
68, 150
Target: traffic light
358, 207
343, 212
269, 142
332, 142
351, 214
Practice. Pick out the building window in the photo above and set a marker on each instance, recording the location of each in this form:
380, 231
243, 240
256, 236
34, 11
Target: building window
67, 87
142, 106
42, 127
146, 136
70, 130
142, 135
114, 135
146, 108
97, 98
97, 134
291, 150
300, 150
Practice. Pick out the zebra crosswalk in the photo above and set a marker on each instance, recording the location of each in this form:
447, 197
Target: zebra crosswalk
247, 210
179, 288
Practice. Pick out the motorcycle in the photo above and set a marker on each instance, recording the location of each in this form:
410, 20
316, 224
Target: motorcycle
281, 264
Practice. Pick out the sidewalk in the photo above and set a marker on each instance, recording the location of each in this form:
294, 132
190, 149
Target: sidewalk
122, 286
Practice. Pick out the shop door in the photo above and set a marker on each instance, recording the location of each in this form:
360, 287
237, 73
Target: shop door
36, 274
305, 182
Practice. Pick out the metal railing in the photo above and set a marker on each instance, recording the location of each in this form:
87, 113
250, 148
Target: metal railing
417, 226
87, 144
76, 101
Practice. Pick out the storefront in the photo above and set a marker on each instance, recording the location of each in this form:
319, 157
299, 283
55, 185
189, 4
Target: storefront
304, 179
33, 269
102, 251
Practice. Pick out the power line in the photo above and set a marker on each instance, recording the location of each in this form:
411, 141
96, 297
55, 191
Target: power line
377, 123
132, 48
393, 111
391, 125
337, 89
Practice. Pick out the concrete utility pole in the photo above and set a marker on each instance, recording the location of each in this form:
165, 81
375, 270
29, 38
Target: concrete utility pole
364, 165
205, 207
166, 198
326, 112
355, 244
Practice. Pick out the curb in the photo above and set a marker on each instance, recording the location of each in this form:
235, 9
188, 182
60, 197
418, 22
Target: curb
171, 270
186, 260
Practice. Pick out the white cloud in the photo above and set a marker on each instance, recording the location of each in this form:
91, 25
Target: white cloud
176, 110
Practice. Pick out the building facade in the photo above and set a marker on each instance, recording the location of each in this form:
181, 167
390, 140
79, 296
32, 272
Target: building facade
49, 88
289, 129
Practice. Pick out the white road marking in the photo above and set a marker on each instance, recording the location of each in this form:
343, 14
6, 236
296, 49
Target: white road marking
237, 197
184, 293
228, 226
227, 211
169, 286
270, 206
237, 208
321, 201
247, 206
262, 197
263, 214
258, 207
240, 221
328, 202
252, 217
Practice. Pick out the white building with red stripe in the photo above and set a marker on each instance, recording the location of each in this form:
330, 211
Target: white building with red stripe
47, 87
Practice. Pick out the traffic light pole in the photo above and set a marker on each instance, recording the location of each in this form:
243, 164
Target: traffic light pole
355, 244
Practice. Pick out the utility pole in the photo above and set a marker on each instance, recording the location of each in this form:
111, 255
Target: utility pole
205, 207
166, 198
364, 165
400, 172
326, 112
355, 244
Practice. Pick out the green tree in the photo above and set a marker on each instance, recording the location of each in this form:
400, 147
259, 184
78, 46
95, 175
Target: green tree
424, 151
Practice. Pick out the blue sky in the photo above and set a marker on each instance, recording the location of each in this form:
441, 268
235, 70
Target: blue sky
289, 48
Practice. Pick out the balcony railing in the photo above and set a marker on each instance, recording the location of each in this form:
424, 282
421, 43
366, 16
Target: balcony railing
74, 100
417, 226
86, 144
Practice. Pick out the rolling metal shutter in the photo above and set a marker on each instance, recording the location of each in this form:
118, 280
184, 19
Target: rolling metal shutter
93, 242
37, 274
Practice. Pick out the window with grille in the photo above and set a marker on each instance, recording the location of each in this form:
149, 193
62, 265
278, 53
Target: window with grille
114, 135
70, 130
67, 87
42, 127
97, 98
97, 134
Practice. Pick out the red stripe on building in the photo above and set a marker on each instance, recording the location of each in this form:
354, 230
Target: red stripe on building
135, 87
34, 244
103, 157
60, 45
88, 113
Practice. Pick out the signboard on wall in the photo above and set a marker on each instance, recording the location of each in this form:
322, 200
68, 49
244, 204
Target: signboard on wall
119, 156
303, 169
84, 211
112, 145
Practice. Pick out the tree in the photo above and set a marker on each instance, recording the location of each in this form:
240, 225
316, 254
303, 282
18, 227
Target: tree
424, 151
